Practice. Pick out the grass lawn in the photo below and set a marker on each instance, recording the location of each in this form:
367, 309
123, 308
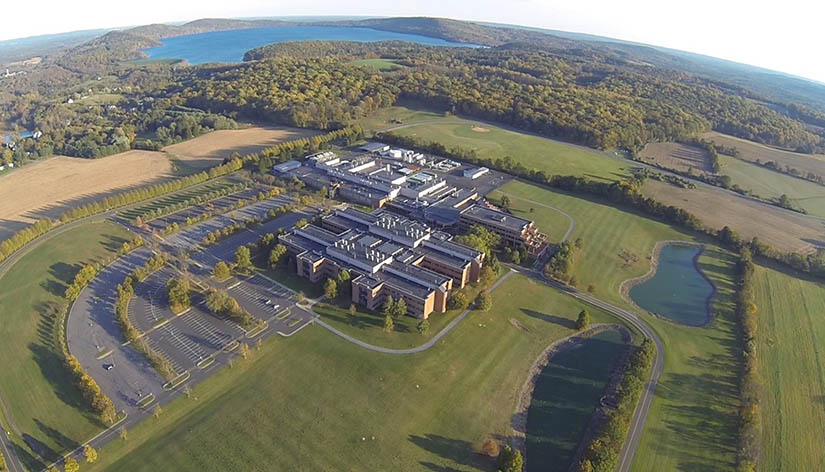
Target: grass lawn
317, 402
692, 421
769, 184
35, 386
368, 326
550, 221
791, 334
381, 64
563, 400
494, 142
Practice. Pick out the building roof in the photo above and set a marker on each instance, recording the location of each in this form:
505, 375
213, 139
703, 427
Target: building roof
496, 218
373, 147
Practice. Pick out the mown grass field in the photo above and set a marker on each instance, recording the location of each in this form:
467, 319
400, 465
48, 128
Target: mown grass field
33, 383
492, 141
692, 421
317, 402
790, 338
381, 64
563, 400
769, 184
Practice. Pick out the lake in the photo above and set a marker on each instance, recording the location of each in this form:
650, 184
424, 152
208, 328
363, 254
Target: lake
565, 396
230, 46
678, 291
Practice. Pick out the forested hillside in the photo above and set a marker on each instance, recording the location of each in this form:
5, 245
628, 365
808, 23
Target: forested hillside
578, 95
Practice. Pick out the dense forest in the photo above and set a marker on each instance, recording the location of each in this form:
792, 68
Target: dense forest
581, 96
579, 91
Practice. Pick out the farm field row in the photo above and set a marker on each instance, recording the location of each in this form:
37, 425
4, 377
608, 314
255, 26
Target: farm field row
790, 337
317, 402
37, 389
692, 421
752, 151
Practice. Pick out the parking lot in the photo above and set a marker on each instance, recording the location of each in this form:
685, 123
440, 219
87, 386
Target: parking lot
217, 205
269, 301
189, 339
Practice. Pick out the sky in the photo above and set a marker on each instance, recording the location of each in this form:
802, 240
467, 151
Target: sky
780, 35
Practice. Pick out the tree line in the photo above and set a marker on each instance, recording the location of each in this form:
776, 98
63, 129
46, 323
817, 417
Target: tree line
750, 383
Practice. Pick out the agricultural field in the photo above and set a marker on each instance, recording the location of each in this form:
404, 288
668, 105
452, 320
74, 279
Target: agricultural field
692, 421
381, 64
790, 337
210, 149
680, 157
751, 151
491, 141
41, 400
766, 183
50, 187
318, 402
785, 230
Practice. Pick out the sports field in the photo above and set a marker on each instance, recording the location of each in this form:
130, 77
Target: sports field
211, 148
495, 142
692, 421
769, 184
317, 402
48, 188
790, 339
35, 386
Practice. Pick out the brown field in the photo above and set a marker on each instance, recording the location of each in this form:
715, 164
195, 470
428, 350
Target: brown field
676, 156
784, 230
47, 188
751, 151
205, 150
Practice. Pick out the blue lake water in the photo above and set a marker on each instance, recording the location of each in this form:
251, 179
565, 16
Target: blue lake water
678, 291
230, 46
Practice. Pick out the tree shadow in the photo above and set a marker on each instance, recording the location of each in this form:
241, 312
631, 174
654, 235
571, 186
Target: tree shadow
53, 369
569, 324
29, 461
38, 447
64, 441
456, 450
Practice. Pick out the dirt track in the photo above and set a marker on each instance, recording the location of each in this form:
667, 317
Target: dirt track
47, 188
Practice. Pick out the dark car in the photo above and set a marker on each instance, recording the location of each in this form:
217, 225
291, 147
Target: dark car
108, 366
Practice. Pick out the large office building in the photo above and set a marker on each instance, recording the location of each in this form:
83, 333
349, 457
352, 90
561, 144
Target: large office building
514, 231
387, 255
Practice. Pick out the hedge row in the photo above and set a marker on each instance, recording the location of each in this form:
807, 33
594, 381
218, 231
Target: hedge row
750, 385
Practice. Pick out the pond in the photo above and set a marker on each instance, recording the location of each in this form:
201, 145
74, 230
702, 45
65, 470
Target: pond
679, 291
230, 46
565, 396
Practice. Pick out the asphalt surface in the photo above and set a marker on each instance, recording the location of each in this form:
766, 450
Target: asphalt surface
188, 339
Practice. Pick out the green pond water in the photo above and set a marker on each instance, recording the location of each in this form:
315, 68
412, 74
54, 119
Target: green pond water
678, 291
566, 394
